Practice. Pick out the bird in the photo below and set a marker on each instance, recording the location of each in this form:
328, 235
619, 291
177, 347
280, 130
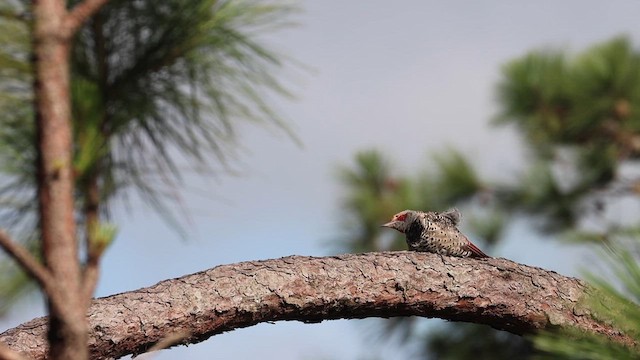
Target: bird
434, 232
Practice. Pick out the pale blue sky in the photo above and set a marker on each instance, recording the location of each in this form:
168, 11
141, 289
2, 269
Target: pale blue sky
407, 77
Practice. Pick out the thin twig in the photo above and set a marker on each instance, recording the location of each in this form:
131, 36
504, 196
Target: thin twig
80, 13
28, 262
90, 279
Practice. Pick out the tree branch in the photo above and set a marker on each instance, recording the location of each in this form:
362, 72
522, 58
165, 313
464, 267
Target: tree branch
28, 262
81, 13
496, 292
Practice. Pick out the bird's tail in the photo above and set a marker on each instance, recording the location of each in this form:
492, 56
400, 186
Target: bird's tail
475, 251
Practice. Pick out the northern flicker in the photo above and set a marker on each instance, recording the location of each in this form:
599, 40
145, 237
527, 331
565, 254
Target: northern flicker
434, 232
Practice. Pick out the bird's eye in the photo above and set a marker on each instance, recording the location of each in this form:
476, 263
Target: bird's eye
401, 217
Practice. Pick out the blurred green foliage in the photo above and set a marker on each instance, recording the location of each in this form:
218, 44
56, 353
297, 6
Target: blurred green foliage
578, 115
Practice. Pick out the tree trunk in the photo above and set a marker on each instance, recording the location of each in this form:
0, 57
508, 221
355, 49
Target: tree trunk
496, 292
68, 326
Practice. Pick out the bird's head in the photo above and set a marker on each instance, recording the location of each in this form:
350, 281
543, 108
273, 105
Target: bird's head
401, 220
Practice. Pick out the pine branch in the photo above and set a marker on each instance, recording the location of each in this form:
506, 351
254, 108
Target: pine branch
28, 262
497, 292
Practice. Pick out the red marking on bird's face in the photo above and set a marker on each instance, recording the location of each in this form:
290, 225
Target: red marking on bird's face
400, 217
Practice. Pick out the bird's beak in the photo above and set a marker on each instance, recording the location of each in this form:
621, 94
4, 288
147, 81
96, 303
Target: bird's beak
389, 224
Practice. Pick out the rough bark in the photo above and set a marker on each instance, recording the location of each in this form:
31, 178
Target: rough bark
497, 292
